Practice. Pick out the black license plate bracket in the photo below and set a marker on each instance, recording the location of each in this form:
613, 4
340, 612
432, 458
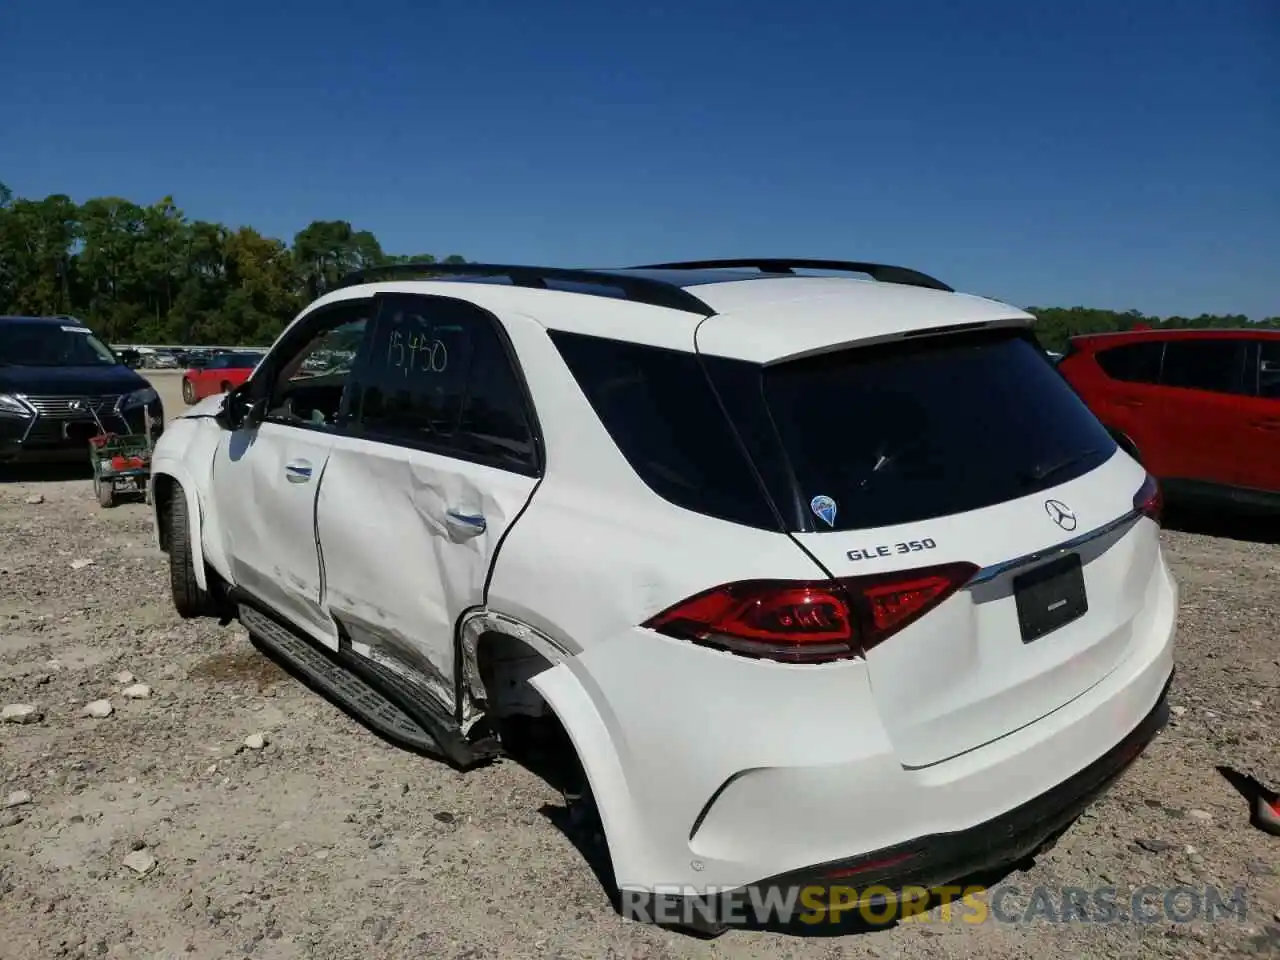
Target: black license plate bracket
1050, 596
80, 430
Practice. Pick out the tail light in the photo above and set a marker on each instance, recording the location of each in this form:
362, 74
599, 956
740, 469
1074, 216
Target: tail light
810, 621
1149, 501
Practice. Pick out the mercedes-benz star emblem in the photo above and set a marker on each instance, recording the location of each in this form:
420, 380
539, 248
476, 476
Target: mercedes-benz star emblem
1060, 514
79, 404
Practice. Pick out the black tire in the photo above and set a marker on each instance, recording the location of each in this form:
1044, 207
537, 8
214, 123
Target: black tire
105, 492
188, 392
188, 599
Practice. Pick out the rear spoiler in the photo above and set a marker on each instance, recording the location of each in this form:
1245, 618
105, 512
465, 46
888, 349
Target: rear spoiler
951, 329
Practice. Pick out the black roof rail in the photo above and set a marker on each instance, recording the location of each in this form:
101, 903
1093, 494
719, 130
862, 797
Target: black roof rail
655, 293
883, 272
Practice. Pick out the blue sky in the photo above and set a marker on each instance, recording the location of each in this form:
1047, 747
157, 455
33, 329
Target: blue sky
1115, 154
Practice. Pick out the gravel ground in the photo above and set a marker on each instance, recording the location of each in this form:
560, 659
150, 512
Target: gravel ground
156, 832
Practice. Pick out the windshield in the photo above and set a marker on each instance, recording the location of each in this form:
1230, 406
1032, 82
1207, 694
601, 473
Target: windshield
52, 345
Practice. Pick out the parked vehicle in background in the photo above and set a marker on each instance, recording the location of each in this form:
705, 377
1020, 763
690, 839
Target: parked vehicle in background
788, 597
162, 360
1199, 408
198, 357
221, 373
55, 375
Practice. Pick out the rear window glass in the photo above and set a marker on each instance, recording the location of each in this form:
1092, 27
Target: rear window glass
938, 426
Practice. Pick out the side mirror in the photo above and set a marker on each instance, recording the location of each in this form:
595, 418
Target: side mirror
239, 410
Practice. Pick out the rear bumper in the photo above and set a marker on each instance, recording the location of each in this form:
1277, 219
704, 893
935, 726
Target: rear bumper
887, 883
939, 858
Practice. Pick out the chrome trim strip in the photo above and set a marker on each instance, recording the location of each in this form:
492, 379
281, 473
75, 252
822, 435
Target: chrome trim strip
989, 573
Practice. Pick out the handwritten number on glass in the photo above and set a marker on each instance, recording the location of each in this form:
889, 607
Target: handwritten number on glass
418, 352
395, 348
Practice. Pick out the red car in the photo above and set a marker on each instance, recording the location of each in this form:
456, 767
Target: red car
223, 372
1199, 408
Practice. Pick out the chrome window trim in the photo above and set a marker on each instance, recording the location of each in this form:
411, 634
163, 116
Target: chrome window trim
996, 570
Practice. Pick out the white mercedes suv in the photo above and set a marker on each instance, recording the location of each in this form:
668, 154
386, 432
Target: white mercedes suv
812, 577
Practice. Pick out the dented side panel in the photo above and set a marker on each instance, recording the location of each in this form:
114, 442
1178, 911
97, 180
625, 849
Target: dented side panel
400, 566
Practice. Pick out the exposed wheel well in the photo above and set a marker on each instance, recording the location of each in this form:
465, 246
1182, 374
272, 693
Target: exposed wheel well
162, 486
529, 730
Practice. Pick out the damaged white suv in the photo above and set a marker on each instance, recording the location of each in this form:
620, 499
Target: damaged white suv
810, 576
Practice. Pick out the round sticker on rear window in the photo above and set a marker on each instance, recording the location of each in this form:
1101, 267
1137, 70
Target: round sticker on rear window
824, 508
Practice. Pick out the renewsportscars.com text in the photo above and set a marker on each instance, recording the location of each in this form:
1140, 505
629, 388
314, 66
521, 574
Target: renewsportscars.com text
874, 905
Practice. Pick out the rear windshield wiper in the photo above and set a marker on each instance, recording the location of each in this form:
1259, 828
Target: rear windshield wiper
1045, 470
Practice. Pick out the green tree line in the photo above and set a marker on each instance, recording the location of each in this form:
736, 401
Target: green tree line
147, 274
1055, 325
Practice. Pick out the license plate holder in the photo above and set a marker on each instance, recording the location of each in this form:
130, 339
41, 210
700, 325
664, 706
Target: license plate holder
1050, 597
80, 430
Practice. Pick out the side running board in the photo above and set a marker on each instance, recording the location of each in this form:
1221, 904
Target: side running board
367, 692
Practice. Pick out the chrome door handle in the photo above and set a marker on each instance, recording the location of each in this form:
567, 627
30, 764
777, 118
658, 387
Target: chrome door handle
298, 471
473, 522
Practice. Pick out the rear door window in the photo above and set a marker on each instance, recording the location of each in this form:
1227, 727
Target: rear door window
1213, 365
411, 387
937, 426
663, 415
1269, 369
1133, 362
439, 377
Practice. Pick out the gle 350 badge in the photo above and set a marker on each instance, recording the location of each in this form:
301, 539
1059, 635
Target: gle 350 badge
891, 549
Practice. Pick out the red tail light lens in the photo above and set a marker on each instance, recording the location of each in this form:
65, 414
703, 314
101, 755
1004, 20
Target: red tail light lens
1149, 500
894, 601
789, 620
810, 621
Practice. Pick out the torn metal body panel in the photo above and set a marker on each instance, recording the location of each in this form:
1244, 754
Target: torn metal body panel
526, 653
385, 645
408, 539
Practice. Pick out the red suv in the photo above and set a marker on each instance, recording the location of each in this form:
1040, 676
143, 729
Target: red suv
1199, 408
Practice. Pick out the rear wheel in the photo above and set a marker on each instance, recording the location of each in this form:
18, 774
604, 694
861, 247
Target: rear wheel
188, 392
188, 598
105, 491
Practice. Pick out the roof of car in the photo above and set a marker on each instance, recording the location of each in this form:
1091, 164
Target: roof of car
761, 315
51, 321
1177, 333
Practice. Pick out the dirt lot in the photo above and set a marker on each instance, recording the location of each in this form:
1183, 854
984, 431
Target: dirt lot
327, 843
